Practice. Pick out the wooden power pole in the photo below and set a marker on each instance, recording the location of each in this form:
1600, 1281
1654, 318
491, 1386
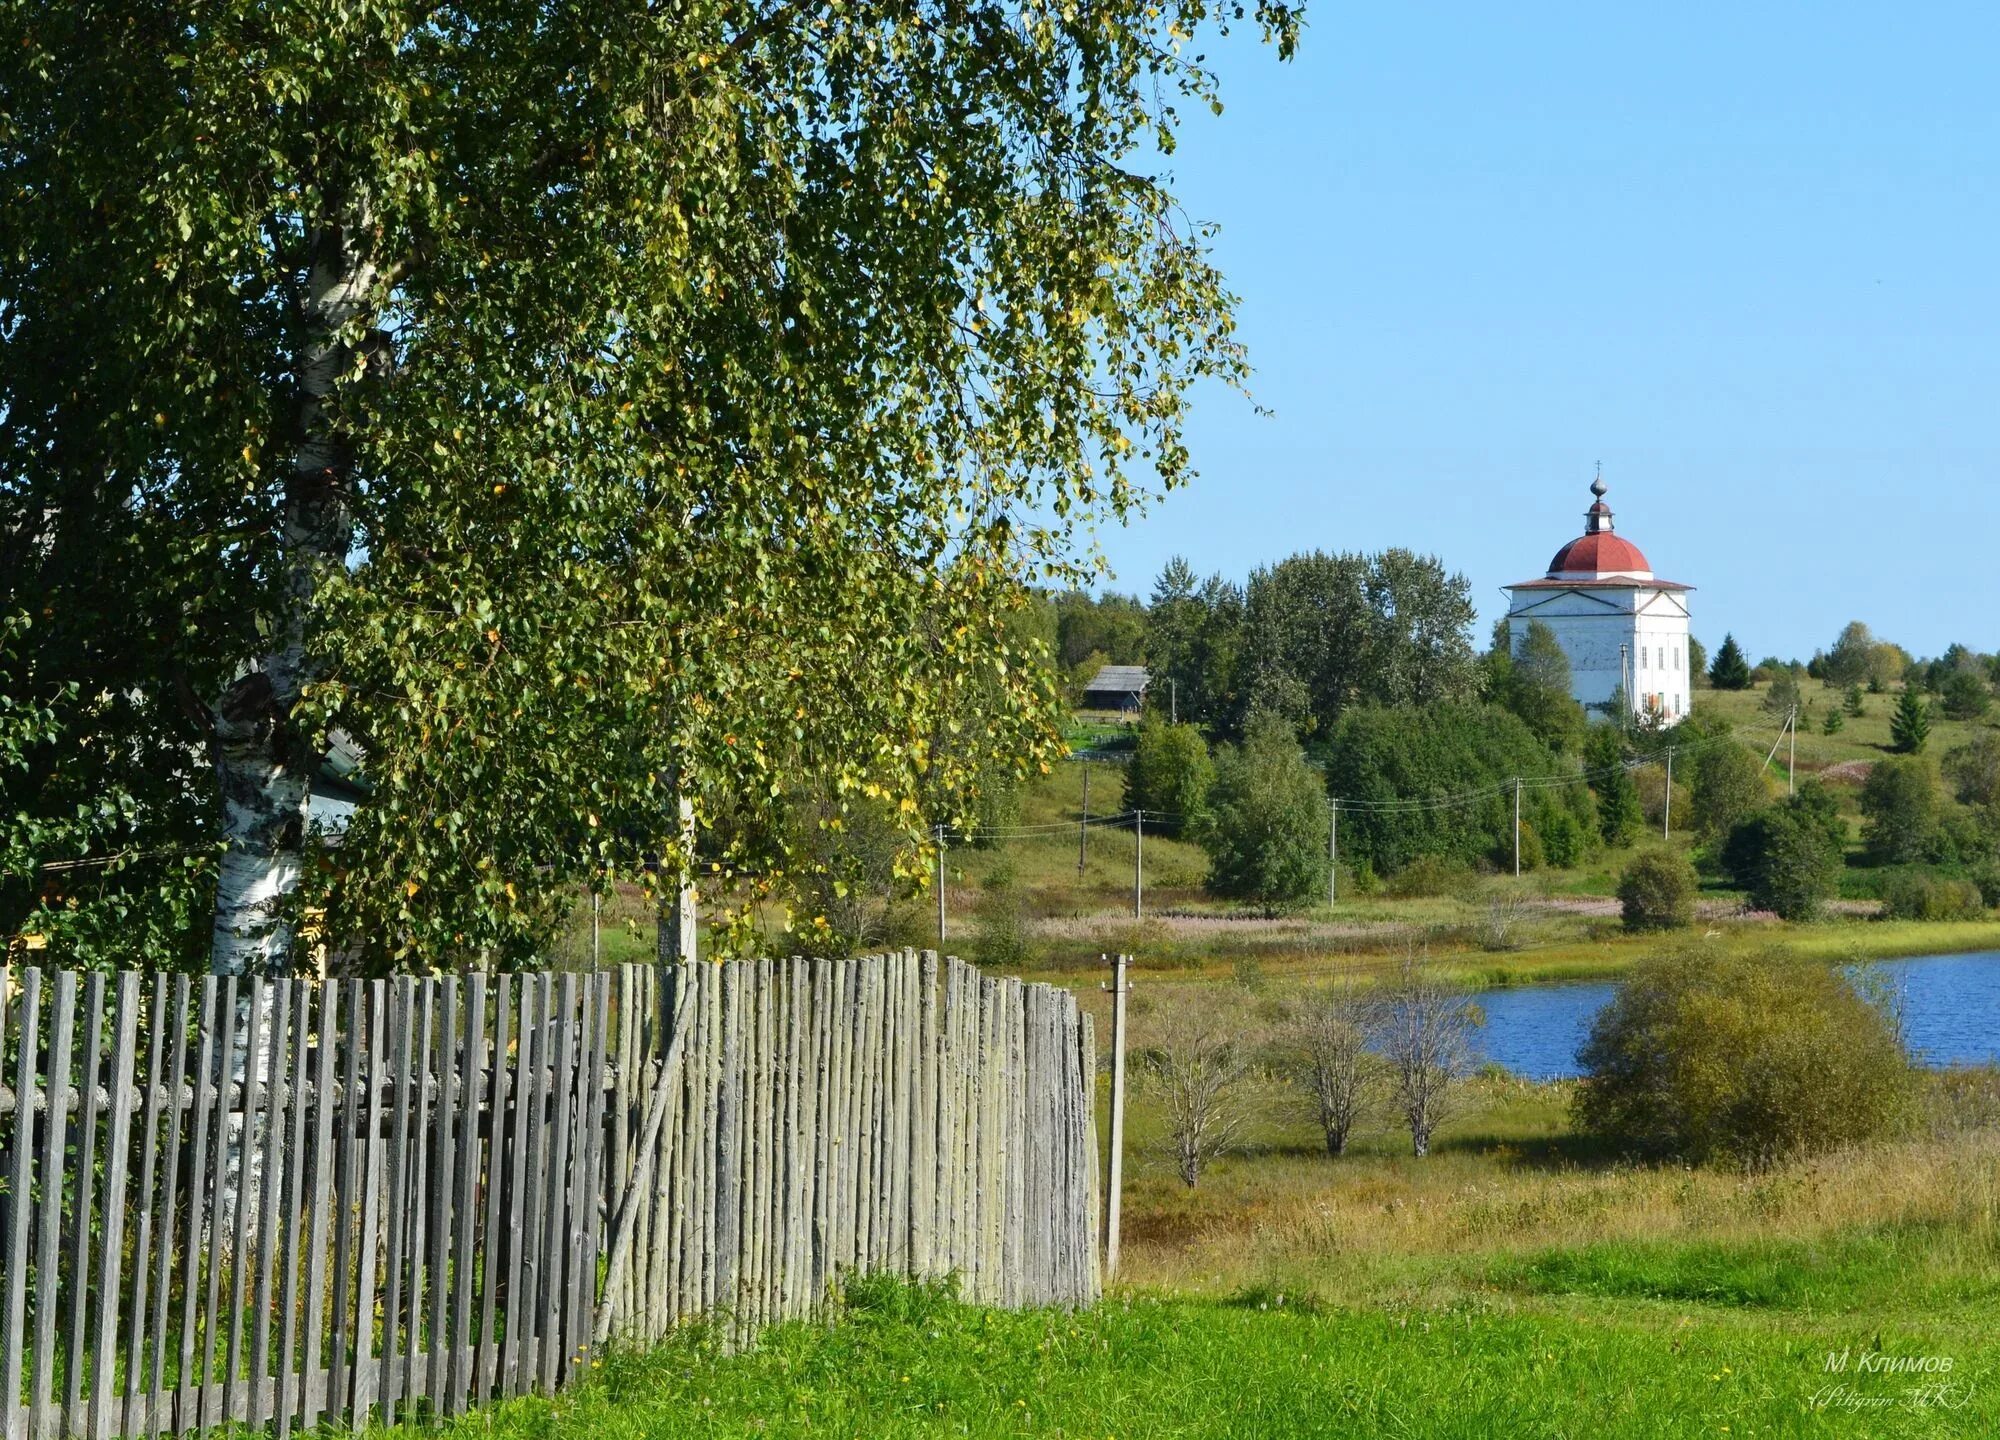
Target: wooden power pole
1517, 828
1116, 1169
1083, 825
1333, 854
1138, 864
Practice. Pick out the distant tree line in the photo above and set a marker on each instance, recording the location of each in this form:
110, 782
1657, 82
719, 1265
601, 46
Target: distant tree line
1355, 676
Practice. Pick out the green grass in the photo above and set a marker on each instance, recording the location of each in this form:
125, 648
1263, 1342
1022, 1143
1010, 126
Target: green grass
1861, 738
905, 1363
1853, 1272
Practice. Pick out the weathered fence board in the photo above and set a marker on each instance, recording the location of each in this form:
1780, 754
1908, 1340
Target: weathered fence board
277, 1202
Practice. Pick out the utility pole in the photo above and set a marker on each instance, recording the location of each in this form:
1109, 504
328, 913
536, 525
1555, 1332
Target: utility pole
1173, 702
1138, 864
1792, 754
1667, 817
1333, 854
1117, 1166
940, 884
1517, 827
1624, 690
1083, 825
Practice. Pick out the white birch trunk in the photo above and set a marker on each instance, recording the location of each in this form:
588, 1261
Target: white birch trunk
263, 767
679, 919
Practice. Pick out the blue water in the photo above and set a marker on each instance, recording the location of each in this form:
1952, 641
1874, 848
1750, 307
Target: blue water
1951, 1016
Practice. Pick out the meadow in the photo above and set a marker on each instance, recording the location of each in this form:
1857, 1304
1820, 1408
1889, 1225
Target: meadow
1517, 1282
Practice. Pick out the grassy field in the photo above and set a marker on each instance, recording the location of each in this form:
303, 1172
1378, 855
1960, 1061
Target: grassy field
1514, 1283
1142, 1367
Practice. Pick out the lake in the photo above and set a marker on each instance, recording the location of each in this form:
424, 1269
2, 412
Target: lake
1951, 1016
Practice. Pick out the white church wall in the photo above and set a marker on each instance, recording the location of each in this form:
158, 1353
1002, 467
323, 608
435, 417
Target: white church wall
1591, 625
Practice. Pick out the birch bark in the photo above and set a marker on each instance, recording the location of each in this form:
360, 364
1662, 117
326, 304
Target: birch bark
263, 765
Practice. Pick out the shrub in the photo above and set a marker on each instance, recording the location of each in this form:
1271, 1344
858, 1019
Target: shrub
1169, 775
1325, 1048
1899, 806
1704, 1055
1966, 695
1728, 784
1422, 1028
1529, 849
1382, 755
1427, 877
1657, 891
1789, 857
1916, 896
1974, 770
1000, 922
1265, 829
1198, 1069
1564, 840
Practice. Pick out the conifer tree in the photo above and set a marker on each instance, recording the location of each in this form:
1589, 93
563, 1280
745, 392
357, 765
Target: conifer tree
1910, 726
1731, 668
1619, 812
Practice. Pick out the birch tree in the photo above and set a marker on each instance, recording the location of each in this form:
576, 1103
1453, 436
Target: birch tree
1198, 1072
558, 399
1423, 1030
1326, 1045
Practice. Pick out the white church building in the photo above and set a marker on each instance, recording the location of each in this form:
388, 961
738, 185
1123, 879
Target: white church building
1624, 629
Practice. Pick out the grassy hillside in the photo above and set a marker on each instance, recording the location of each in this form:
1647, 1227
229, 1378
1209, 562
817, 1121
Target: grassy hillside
1863, 738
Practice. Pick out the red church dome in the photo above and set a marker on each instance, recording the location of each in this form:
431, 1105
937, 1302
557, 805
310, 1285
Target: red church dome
1600, 554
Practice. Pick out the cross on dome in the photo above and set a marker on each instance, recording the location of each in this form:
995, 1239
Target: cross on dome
1598, 554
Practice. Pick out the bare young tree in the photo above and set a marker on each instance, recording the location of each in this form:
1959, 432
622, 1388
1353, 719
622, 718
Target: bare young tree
1327, 1053
1423, 1029
1198, 1068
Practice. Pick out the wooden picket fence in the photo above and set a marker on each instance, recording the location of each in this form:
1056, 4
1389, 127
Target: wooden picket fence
281, 1203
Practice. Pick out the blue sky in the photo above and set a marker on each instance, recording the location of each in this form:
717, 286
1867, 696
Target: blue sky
1744, 255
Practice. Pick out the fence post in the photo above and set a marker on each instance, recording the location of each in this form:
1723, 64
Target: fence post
940, 883
1116, 1169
